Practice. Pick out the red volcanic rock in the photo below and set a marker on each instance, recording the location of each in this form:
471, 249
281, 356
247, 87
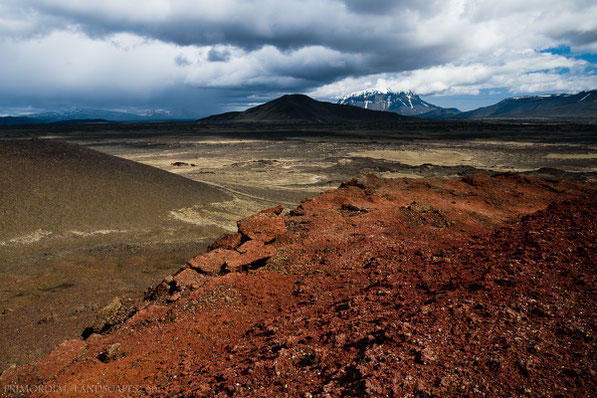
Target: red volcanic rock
186, 278
253, 253
212, 262
367, 182
147, 314
408, 287
264, 226
67, 351
250, 246
226, 241
274, 211
477, 180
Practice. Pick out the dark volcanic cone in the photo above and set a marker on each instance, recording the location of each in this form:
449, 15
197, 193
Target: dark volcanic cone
303, 109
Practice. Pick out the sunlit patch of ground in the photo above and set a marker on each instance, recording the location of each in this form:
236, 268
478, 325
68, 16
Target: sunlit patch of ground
27, 239
572, 156
223, 215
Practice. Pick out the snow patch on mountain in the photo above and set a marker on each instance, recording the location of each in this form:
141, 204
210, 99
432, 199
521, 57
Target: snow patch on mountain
404, 102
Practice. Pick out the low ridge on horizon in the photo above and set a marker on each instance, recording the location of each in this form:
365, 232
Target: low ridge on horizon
364, 105
581, 105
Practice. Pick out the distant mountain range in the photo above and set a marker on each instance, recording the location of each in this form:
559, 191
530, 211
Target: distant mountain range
303, 109
404, 103
363, 106
88, 115
581, 105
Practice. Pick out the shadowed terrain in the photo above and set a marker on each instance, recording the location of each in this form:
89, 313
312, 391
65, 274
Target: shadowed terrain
57, 186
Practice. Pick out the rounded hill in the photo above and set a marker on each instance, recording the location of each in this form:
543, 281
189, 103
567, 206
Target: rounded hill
298, 108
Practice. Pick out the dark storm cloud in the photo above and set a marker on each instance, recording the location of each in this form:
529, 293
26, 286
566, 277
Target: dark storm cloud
578, 38
373, 7
250, 25
387, 33
385, 30
388, 6
140, 49
380, 43
218, 55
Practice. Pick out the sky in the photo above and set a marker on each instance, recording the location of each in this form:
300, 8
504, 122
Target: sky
195, 58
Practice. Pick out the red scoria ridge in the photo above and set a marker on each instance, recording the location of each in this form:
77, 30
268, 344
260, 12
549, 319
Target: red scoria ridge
480, 286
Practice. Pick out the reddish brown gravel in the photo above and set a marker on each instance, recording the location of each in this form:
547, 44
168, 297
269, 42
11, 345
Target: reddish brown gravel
480, 286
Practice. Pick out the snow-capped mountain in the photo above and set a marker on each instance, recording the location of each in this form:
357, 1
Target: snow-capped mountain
405, 103
158, 114
85, 114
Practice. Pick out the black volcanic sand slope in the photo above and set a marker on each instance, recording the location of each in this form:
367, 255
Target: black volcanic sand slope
57, 186
78, 228
301, 108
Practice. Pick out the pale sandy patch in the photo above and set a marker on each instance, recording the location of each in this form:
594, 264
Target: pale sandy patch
98, 232
572, 156
218, 142
222, 214
395, 174
510, 143
190, 215
27, 239
40, 235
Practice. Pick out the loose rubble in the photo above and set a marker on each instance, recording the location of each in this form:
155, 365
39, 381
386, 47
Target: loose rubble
479, 286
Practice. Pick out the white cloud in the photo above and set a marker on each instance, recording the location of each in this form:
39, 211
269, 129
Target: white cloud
520, 72
69, 61
137, 48
269, 66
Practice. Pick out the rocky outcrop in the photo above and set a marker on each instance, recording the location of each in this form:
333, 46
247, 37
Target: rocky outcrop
264, 226
114, 313
186, 279
212, 262
248, 249
252, 254
226, 241
465, 287
227, 254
